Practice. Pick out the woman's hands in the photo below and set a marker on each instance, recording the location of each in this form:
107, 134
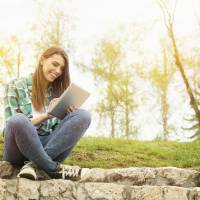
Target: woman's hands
70, 109
46, 116
51, 105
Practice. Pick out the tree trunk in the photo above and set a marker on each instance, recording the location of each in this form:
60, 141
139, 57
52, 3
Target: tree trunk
193, 101
164, 115
164, 98
112, 124
57, 42
18, 63
127, 121
126, 112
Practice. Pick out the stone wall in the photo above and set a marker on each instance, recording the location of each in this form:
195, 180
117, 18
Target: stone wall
165, 183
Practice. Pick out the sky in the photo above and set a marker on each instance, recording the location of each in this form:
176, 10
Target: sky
95, 19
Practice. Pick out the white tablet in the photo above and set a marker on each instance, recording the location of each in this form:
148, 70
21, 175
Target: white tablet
72, 96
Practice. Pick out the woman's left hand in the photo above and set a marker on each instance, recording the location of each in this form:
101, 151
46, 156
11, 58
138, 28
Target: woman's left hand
70, 109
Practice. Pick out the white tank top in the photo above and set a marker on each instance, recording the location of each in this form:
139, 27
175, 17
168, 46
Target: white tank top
34, 112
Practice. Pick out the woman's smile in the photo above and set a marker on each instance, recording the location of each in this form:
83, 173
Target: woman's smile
53, 75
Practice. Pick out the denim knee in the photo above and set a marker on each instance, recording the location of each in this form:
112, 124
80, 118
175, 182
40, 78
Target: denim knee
84, 116
16, 121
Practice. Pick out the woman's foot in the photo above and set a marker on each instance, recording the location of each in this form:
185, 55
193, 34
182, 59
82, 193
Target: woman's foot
66, 172
28, 171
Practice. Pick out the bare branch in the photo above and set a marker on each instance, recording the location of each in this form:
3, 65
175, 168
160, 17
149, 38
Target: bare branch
173, 11
166, 14
196, 16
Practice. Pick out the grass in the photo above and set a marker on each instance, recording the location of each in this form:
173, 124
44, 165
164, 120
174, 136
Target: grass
112, 153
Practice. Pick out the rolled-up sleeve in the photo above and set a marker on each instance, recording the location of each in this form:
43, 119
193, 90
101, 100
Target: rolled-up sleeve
10, 101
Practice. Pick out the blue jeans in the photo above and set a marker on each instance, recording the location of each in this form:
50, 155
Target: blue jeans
22, 141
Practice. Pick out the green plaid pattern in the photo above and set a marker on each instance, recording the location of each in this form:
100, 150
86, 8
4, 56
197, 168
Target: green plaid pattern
18, 99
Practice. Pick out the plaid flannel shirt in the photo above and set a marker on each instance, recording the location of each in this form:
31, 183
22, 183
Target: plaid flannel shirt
18, 99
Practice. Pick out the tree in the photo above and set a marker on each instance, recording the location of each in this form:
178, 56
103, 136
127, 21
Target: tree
19, 56
105, 67
169, 22
126, 101
117, 89
192, 121
128, 37
194, 61
161, 79
11, 57
53, 29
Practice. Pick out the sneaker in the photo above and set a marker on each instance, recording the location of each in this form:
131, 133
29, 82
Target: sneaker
66, 172
28, 171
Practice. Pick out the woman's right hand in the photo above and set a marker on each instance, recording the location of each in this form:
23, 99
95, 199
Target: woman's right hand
51, 105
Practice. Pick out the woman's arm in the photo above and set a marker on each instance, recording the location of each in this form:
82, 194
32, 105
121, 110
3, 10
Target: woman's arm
40, 118
11, 105
10, 100
44, 116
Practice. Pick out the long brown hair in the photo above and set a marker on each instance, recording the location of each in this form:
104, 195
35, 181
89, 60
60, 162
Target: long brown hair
39, 89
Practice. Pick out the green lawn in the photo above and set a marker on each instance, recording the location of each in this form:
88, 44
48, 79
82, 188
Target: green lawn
110, 153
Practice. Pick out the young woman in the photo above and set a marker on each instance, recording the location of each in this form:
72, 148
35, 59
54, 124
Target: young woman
32, 136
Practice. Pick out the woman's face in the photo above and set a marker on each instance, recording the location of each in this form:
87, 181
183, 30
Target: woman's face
53, 67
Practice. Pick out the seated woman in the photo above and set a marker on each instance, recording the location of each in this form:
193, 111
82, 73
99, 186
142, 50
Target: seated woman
31, 135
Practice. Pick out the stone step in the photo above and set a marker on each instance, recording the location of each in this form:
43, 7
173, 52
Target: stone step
25, 189
139, 176
144, 183
145, 176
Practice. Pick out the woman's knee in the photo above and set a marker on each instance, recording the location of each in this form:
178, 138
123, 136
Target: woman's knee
84, 116
17, 120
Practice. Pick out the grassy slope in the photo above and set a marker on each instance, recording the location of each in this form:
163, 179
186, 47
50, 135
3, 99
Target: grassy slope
111, 153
